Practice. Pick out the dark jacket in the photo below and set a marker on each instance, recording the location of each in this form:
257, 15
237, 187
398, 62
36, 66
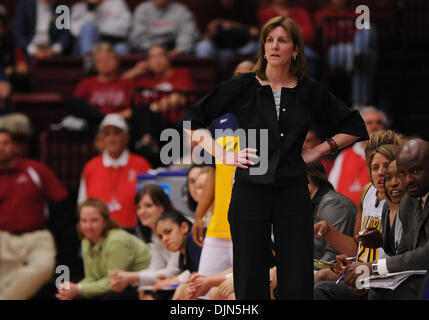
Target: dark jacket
390, 233
413, 250
24, 26
254, 106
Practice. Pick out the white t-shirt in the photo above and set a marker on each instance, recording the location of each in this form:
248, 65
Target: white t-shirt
163, 262
277, 96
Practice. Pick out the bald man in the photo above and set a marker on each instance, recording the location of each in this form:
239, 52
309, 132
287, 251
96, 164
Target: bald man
413, 251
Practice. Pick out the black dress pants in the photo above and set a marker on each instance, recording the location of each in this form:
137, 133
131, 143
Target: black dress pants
254, 211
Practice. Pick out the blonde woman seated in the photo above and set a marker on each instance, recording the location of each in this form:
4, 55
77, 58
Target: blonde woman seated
105, 247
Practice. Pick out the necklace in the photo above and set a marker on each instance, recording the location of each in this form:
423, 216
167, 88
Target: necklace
290, 84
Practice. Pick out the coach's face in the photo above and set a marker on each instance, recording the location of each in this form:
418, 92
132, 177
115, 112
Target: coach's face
413, 166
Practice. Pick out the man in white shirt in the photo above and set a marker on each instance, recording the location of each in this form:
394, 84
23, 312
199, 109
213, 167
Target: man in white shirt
413, 250
112, 176
100, 20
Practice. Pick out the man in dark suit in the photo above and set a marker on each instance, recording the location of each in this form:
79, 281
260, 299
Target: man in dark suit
35, 30
413, 250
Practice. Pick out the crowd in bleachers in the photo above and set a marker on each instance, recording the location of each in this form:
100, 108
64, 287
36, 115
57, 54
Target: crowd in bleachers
91, 103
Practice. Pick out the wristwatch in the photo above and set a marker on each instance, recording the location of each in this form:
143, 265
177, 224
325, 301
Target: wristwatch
374, 267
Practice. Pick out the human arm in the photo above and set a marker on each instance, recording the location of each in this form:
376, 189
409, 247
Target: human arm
207, 197
68, 291
339, 125
325, 275
199, 285
339, 241
338, 212
316, 153
417, 259
163, 263
120, 279
370, 238
236, 159
118, 254
139, 69
226, 290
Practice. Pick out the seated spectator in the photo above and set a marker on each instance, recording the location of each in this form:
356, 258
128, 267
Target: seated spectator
27, 249
392, 226
412, 252
330, 206
191, 183
105, 247
163, 22
232, 30
303, 19
5, 92
12, 59
112, 176
381, 149
348, 174
35, 31
350, 49
313, 139
162, 100
93, 21
105, 93
174, 231
157, 73
206, 170
151, 201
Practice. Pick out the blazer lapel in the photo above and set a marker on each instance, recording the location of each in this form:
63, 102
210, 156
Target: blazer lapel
422, 215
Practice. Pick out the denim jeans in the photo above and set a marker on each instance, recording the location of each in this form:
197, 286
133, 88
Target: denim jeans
358, 58
89, 37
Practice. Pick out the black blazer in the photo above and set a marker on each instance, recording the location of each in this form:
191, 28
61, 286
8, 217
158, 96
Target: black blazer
413, 250
387, 230
253, 104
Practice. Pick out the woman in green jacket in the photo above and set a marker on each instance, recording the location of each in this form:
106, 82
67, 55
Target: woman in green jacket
105, 247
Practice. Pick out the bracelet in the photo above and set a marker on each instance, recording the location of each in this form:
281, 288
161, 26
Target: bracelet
333, 145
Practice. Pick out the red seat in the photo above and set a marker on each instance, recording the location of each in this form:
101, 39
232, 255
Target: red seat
42, 108
56, 74
66, 153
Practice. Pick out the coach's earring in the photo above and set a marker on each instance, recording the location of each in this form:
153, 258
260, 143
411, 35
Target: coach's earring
265, 57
